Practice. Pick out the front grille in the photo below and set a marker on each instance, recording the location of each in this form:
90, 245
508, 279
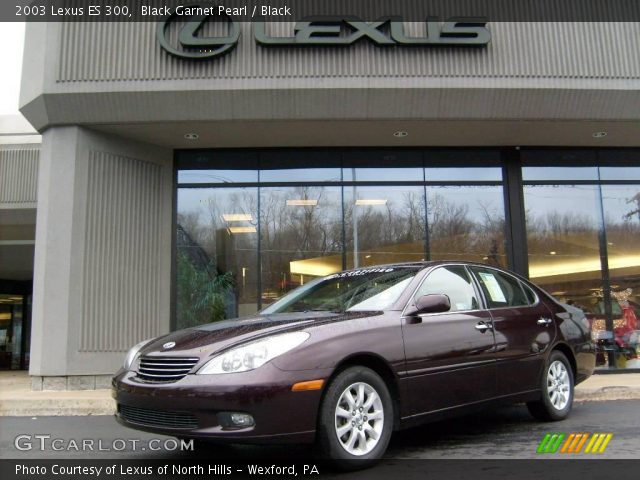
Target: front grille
158, 418
165, 369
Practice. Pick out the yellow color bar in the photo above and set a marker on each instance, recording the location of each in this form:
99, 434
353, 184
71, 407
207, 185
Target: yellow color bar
591, 442
305, 386
606, 441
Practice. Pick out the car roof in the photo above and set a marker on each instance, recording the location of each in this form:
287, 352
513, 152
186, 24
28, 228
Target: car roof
427, 263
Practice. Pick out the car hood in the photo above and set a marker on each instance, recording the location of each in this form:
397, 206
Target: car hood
207, 339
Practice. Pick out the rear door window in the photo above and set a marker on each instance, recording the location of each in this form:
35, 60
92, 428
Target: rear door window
500, 290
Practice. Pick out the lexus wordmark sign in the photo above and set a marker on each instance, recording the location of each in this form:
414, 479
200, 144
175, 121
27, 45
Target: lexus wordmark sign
190, 42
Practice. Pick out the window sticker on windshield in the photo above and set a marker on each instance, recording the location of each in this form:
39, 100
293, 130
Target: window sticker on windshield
493, 287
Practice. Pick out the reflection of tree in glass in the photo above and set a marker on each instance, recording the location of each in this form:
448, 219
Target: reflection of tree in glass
201, 292
454, 233
215, 280
400, 220
636, 199
296, 223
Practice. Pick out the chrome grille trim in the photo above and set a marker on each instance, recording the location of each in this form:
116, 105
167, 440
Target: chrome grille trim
165, 369
158, 418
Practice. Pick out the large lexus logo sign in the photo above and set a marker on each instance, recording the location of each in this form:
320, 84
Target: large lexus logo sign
321, 31
190, 44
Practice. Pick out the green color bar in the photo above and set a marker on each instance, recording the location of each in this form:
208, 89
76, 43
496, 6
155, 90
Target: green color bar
550, 443
558, 443
543, 444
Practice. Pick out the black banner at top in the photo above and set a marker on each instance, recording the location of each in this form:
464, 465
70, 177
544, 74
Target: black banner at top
296, 10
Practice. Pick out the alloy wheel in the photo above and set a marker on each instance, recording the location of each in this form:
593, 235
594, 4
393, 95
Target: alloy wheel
558, 385
359, 418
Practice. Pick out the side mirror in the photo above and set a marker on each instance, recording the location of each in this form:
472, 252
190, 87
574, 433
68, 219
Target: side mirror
429, 304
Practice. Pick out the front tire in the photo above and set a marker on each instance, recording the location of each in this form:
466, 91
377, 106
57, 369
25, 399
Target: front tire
356, 419
557, 390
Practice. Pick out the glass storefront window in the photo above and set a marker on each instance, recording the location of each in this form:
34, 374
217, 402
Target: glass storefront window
564, 251
559, 173
300, 237
217, 266
411, 174
11, 331
384, 224
619, 173
621, 205
467, 223
217, 176
456, 174
386, 166
302, 214
562, 237
291, 166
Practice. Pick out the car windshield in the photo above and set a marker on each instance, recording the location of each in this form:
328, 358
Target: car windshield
368, 289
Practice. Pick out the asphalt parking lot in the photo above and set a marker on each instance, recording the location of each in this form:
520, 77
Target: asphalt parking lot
505, 433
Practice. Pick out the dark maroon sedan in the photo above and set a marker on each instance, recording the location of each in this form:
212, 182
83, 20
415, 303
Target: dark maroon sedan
346, 359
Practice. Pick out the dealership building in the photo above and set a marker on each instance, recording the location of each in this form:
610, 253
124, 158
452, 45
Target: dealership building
177, 185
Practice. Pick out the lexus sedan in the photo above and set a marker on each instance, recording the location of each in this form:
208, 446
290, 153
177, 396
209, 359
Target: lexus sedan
345, 360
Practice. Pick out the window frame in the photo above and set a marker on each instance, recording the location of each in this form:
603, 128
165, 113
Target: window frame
430, 270
519, 281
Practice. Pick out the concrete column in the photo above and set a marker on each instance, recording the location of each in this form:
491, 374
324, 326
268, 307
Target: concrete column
102, 258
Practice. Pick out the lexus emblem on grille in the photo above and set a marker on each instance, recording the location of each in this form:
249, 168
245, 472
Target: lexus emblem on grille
169, 345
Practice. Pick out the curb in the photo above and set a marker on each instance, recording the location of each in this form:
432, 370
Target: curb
50, 407
606, 393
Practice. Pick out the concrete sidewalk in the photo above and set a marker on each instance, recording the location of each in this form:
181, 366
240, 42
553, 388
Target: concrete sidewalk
17, 398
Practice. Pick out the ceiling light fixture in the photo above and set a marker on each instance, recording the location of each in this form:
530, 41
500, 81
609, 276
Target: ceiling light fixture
371, 201
552, 253
191, 136
237, 217
302, 203
236, 230
599, 134
400, 134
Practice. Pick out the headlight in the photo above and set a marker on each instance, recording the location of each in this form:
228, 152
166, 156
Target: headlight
253, 355
133, 353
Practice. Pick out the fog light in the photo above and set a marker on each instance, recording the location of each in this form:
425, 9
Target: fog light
242, 419
235, 420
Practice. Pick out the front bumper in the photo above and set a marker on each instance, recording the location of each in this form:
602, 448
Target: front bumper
281, 416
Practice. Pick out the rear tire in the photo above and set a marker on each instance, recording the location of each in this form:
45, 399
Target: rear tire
356, 419
557, 386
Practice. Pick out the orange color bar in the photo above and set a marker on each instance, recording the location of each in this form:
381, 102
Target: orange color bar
310, 385
567, 443
582, 442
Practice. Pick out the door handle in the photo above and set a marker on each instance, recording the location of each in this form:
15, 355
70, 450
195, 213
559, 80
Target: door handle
544, 321
482, 327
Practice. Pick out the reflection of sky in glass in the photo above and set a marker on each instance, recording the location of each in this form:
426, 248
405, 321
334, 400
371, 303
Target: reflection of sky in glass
620, 173
619, 201
197, 200
301, 175
566, 199
559, 173
477, 199
463, 174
